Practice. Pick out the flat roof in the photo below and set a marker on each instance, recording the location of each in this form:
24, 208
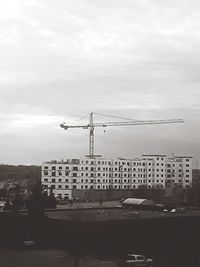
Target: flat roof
153, 155
180, 157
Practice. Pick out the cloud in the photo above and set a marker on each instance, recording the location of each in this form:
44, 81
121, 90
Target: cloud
61, 60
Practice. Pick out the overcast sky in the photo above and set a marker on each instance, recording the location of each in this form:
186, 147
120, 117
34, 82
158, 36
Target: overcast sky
61, 60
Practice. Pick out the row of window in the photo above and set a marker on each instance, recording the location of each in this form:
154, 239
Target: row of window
103, 181
128, 163
102, 187
139, 175
61, 172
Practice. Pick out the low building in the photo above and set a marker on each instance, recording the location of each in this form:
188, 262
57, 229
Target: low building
137, 203
150, 171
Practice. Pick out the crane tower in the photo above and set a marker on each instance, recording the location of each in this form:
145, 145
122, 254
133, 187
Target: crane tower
92, 125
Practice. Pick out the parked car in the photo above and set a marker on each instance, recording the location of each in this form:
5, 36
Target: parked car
133, 260
29, 242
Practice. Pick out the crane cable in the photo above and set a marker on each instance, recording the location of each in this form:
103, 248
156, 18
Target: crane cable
100, 114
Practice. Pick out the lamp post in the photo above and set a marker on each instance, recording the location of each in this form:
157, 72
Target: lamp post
101, 196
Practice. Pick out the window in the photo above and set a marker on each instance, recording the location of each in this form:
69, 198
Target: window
75, 174
59, 186
53, 173
45, 173
60, 167
66, 180
66, 186
46, 180
74, 186
53, 180
131, 258
75, 168
74, 180
46, 167
59, 180
53, 168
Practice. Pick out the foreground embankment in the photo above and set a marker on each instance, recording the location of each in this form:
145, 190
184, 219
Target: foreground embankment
173, 239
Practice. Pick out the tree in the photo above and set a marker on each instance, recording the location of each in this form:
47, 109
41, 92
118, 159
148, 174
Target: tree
36, 201
18, 200
40, 200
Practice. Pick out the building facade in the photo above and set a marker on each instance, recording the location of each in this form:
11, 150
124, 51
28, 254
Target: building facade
150, 171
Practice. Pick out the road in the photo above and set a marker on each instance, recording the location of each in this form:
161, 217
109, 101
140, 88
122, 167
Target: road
50, 258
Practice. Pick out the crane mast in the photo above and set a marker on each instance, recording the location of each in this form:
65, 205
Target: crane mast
91, 126
91, 136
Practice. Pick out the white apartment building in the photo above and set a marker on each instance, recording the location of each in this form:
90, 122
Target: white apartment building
150, 171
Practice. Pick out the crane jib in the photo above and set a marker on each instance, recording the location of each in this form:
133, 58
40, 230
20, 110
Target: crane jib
92, 126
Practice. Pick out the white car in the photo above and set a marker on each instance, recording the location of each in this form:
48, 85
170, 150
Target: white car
134, 260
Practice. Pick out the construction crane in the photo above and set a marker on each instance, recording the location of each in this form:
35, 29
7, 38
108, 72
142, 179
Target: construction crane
91, 126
